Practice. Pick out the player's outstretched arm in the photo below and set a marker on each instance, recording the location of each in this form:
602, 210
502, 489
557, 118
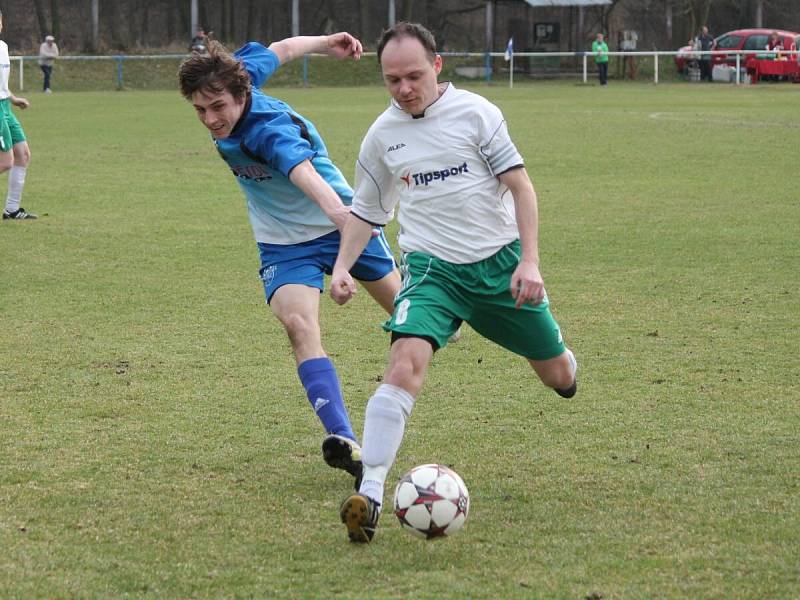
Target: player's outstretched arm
305, 177
339, 45
355, 237
526, 283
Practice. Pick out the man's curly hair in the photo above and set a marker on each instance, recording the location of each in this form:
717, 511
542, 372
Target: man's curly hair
216, 71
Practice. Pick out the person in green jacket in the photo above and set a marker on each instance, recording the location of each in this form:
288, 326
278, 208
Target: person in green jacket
600, 48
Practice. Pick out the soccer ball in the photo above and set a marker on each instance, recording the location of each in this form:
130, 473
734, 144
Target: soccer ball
431, 501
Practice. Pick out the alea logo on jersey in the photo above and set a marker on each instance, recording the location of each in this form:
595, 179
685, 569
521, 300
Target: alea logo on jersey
431, 176
255, 172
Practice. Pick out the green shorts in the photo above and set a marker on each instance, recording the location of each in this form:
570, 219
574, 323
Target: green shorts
10, 130
437, 296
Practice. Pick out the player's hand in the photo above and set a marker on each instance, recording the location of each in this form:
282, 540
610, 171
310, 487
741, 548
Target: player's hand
342, 287
527, 284
343, 45
21, 103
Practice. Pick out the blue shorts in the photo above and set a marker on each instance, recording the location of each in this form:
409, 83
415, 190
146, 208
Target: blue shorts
307, 263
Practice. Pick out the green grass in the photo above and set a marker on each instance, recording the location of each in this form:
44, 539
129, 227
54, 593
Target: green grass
155, 442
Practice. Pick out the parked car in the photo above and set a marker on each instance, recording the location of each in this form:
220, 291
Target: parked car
741, 39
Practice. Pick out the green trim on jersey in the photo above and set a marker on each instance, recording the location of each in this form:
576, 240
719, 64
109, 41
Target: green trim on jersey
10, 130
438, 295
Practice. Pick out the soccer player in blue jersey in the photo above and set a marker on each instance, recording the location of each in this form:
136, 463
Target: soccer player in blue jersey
298, 201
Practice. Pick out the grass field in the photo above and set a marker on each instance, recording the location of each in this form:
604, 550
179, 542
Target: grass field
155, 442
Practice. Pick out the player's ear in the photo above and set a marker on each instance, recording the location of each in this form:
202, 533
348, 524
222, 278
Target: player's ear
437, 63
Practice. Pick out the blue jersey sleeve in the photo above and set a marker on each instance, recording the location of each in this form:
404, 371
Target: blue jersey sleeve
280, 141
260, 62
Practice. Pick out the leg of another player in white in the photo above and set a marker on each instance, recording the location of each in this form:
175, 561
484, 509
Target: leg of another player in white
390, 406
16, 163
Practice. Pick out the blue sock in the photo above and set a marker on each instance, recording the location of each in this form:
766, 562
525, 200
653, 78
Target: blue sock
318, 376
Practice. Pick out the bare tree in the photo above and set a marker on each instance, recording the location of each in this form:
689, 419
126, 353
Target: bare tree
697, 12
41, 18
365, 19
408, 10
252, 20
55, 19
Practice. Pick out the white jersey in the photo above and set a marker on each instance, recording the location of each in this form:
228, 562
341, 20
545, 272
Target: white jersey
5, 70
442, 169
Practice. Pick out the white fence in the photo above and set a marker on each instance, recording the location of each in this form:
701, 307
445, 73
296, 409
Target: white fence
739, 56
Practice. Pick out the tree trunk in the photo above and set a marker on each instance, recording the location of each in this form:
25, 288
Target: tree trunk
365, 20
268, 23
203, 16
170, 22
252, 19
145, 23
223, 28
55, 20
231, 20
181, 12
408, 10
116, 35
41, 19
95, 41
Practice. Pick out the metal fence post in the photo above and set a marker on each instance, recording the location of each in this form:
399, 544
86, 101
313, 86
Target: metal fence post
119, 60
655, 58
738, 65
584, 68
488, 67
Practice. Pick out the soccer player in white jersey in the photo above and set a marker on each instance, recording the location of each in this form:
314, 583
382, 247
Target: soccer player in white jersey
469, 236
297, 200
14, 152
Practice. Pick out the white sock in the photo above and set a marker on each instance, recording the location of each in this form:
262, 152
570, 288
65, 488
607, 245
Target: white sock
384, 425
16, 181
573, 363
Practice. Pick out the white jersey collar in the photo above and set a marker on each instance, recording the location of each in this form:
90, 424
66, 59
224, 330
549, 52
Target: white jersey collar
433, 107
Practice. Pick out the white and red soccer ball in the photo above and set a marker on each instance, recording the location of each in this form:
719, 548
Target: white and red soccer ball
431, 501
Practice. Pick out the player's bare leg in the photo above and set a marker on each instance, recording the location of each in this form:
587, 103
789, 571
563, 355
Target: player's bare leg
558, 373
297, 308
384, 426
384, 290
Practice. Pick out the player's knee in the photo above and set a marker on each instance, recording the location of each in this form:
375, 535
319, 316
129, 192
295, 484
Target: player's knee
22, 154
299, 327
403, 373
23, 159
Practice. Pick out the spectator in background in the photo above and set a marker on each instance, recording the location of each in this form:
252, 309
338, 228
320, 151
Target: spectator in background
705, 43
775, 44
600, 49
199, 41
48, 53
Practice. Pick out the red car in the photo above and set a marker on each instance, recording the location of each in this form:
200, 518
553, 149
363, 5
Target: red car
741, 39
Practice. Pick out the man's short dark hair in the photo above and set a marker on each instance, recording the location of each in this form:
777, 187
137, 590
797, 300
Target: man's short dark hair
412, 30
216, 70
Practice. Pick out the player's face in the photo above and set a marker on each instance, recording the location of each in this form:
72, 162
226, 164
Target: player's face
218, 111
410, 75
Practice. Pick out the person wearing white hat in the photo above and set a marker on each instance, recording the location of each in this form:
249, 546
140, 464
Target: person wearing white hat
48, 52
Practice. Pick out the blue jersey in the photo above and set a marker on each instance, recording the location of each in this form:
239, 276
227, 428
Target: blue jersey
268, 141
